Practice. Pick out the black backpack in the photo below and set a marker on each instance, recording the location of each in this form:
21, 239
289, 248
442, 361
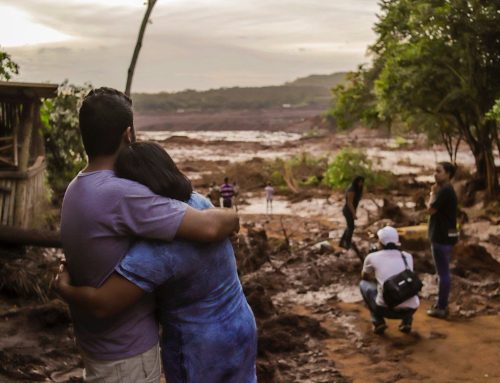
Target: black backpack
401, 286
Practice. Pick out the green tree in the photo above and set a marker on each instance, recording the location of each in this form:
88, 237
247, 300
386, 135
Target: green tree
441, 58
355, 101
8, 68
64, 148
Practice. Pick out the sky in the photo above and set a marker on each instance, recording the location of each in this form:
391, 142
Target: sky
190, 44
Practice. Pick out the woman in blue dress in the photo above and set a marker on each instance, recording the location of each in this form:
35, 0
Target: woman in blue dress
208, 329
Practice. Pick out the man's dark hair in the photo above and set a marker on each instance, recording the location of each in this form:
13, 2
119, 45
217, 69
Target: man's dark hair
226, 180
449, 168
390, 246
149, 164
104, 115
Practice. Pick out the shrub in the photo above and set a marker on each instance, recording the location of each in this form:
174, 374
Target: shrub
350, 163
64, 148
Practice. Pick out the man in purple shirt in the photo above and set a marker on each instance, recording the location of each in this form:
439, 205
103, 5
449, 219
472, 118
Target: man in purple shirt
101, 215
227, 193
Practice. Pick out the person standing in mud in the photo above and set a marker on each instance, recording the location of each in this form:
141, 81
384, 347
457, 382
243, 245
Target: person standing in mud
269, 198
214, 194
227, 193
443, 234
101, 216
236, 190
353, 195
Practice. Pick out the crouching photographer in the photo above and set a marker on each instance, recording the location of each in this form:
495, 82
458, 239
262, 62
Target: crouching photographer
390, 269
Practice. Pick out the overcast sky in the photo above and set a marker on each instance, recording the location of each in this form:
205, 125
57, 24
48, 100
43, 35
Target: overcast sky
196, 44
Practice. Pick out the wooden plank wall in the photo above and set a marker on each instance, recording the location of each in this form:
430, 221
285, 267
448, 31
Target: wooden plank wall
30, 188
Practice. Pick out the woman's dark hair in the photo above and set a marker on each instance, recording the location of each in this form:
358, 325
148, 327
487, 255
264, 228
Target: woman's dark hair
149, 164
449, 168
355, 184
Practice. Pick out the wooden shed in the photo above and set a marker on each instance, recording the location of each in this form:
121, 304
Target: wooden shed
22, 152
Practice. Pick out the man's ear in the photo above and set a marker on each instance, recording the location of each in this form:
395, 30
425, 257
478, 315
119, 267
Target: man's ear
129, 135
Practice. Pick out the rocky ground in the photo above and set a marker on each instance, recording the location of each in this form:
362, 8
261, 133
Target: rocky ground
302, 288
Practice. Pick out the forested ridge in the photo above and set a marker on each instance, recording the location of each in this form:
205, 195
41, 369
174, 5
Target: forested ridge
306, 91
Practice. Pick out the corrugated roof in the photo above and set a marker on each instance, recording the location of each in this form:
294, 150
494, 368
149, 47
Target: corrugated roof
27, 90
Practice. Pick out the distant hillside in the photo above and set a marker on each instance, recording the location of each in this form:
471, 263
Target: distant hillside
320, 80
313, 90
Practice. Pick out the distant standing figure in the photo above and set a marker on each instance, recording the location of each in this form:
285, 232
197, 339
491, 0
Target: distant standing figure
443, 232
352, 197
214, 194
236, 189
269, 198
227, 193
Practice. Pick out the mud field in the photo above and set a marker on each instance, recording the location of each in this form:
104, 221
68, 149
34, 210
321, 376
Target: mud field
301, 286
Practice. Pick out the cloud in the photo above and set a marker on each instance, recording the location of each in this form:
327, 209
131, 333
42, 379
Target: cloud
198, 44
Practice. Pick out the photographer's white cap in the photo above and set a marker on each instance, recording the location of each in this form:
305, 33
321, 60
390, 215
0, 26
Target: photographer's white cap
388, 235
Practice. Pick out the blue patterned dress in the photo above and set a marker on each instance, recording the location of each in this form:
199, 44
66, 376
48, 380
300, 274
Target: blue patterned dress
209, 332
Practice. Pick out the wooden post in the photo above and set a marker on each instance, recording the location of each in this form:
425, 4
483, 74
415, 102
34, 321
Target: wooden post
25, 131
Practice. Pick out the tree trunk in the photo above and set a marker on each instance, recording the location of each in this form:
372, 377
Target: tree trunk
138, 46
482, 149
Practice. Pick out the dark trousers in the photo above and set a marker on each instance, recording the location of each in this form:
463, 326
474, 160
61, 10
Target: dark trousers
442, 254
346, 239
378, 313
227, 203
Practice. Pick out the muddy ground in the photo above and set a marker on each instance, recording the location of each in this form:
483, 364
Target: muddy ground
302, 287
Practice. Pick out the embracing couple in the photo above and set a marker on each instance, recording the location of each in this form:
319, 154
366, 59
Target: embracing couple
143, 249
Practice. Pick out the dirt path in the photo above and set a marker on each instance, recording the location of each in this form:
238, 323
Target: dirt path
436, 351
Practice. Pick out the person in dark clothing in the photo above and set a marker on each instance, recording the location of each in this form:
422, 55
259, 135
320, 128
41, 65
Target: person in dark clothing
443, 232
352, 197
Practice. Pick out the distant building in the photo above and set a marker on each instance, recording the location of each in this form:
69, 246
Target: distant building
286, 106
22, 152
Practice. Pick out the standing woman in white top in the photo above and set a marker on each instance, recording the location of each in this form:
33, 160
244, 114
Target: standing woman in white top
269, 198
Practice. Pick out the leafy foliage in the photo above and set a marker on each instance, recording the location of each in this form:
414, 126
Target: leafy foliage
355, 101
349, 163
436, 66
64, 147
442, 59
8, 68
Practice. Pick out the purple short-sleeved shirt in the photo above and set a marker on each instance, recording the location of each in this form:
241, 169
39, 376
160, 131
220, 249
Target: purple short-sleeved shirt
101, 215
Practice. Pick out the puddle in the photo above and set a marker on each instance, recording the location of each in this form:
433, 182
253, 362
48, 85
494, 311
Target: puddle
258, 206
346, 294
306, 208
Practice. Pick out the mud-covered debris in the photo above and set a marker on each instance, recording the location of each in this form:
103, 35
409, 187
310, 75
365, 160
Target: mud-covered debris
22, 366
288, 332
55, 314
253, 250
322, 247
420, 200
473, 258
258, 299
392, 211
28, 274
